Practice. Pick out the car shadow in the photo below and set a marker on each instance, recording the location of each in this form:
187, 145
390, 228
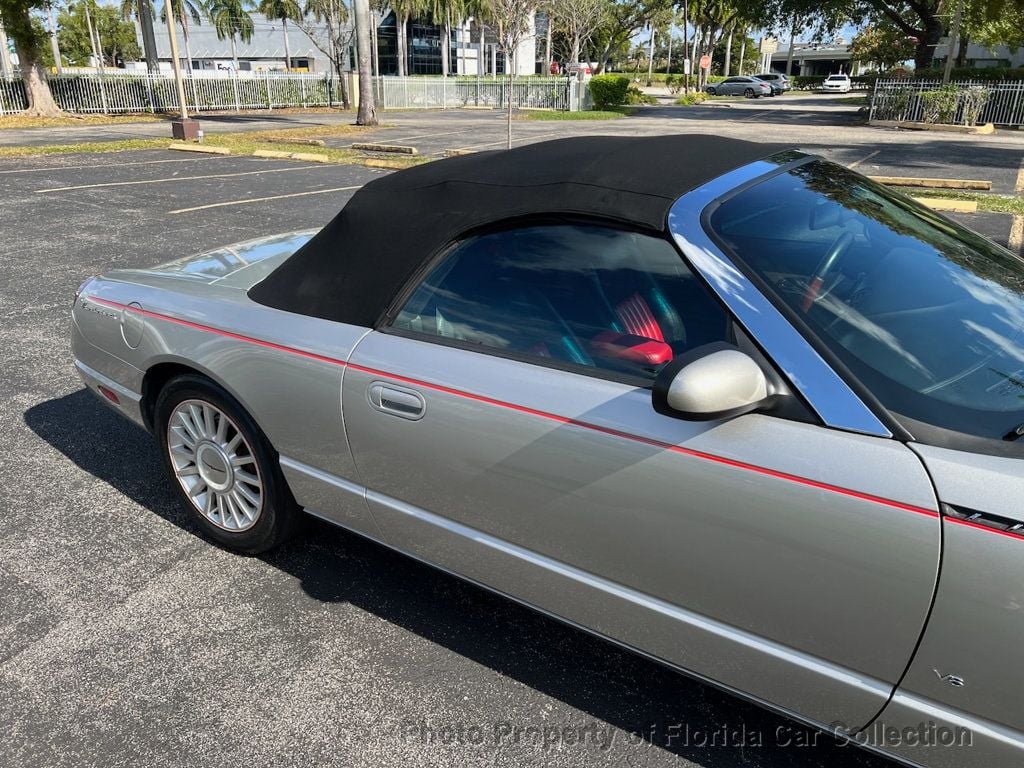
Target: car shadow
657, 707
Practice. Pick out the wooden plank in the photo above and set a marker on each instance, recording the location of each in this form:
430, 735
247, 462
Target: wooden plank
911, 181
944, 204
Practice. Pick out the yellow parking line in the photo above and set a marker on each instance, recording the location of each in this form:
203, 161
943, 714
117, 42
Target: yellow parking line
1016, 241
180, 178
261, 199
1019, 187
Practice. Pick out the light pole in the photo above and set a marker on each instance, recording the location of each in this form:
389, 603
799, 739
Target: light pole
184, 128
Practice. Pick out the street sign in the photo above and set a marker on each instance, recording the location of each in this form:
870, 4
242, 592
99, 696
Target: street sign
705, 62
686, 67
768, 45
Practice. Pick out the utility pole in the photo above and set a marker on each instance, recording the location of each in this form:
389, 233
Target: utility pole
184, 128
953, 40
148, 35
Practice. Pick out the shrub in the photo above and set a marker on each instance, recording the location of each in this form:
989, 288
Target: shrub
689, 99
635, 96
973, 101
609, 90
939, 106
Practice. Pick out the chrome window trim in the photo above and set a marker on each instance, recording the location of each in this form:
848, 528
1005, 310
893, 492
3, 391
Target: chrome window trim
828, 394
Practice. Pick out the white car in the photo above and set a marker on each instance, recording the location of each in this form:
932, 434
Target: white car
836, 84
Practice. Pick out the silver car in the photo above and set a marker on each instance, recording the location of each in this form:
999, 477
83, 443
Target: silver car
750, 87
727, 404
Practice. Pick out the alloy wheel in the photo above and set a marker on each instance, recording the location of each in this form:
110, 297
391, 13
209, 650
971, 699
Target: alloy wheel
215, 465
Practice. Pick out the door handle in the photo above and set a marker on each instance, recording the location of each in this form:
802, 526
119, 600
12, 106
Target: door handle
397, 401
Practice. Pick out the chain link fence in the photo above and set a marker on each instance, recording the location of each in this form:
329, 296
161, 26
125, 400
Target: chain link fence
902, 100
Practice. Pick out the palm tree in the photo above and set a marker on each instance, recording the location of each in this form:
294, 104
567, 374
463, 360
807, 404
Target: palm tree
442, 12
184, 10
282, 10
332, 13
404, 11
230, 19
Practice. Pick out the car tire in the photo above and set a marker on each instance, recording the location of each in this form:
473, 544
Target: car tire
712, 92
208, 441
749, 93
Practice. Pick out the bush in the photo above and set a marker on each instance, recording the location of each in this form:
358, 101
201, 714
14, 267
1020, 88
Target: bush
939, 106
609, 90
635, 96
689, 99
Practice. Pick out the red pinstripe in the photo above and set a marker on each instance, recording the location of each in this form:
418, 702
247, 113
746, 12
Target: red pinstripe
545, 415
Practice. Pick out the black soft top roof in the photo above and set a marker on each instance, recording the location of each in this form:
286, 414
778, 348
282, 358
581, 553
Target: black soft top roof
353, 268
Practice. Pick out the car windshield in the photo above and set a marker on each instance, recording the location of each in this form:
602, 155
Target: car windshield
928, 315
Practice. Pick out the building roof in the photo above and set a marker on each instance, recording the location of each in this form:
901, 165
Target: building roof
267, 42
353, 269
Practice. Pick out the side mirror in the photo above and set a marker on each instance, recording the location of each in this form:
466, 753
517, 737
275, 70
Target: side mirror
716, 381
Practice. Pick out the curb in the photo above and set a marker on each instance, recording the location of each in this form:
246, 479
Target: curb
200, 148
910, 181
397, 148
942, 204
277, 154
973, 130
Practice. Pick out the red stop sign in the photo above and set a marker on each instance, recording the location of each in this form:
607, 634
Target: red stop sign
705, 62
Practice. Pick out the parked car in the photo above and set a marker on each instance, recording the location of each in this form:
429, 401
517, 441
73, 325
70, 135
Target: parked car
728, 404
779, 82
750, 87
836, 84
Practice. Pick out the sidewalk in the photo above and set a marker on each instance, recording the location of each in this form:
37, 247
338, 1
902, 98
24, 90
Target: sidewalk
219, 123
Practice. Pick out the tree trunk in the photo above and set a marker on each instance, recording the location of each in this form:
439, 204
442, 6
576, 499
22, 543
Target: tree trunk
374, 52
668, 66
287, 53
184, 33
728, 54
446, 43
481, 65
6, 70
234, 54
40, 100
924, 51
574, 58
650, 59
547, 45
511, 80
367, 114
400, 37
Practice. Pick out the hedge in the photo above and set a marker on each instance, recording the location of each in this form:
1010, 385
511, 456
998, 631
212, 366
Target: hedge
609, 91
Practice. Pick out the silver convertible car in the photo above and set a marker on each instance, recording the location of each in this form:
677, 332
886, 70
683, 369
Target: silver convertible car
727, 404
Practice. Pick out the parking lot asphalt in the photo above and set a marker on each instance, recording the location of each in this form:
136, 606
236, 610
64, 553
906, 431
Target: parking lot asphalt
127, 640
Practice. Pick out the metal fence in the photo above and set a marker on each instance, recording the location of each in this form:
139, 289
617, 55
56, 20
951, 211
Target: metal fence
118, 92
558, 93
901, 100
148, 92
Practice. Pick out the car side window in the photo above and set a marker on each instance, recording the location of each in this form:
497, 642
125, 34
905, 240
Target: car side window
592, 297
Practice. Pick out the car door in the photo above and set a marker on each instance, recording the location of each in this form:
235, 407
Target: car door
731, 87
501, 421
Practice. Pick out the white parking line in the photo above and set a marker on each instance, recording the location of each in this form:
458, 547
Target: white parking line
261, 199
182, 178
756, 114
113, 165
863, 159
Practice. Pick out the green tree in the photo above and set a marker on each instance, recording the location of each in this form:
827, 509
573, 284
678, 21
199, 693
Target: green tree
230, 20
882, 43
116, 37
29, 42
283, 11
332, 35
184, 11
